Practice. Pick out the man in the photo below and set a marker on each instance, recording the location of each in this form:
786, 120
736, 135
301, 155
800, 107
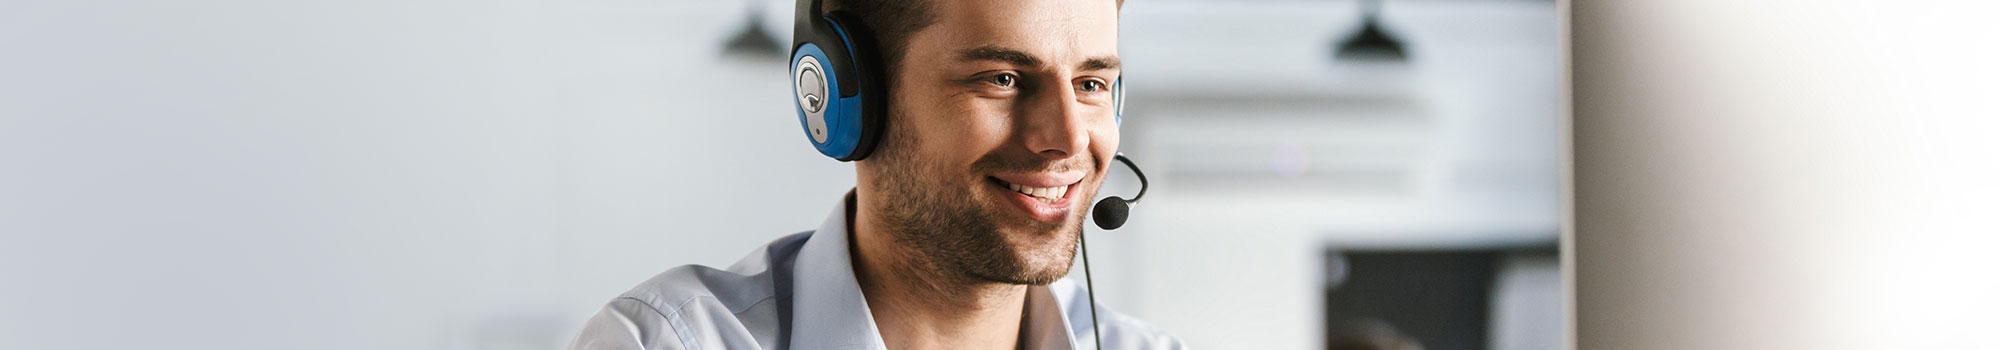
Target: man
965, 218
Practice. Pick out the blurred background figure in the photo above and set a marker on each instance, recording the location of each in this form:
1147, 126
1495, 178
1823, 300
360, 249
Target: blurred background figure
458, 174
1785, 174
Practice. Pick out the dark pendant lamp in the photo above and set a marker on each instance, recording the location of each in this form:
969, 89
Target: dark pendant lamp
753, 41
1371, 43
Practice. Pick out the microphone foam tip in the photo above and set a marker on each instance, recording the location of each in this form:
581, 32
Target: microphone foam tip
1110, 213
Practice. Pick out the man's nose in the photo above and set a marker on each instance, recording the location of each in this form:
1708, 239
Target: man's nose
1056, 126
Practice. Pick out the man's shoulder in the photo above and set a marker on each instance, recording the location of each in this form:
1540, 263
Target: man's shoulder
748, 282
695, 306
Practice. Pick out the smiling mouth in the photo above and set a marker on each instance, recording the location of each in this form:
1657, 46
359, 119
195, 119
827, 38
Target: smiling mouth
1043, 197
1037, 194
1043, 194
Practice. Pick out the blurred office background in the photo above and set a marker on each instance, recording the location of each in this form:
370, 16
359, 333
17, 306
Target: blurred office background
455, 174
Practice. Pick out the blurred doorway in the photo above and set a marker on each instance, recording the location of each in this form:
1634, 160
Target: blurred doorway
1500, 298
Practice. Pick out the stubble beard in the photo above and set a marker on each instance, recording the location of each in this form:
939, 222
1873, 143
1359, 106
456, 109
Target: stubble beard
955, 237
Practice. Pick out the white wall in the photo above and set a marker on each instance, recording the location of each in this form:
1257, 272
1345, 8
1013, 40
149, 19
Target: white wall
375, 174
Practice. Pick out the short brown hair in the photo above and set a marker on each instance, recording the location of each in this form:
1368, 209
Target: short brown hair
893, 22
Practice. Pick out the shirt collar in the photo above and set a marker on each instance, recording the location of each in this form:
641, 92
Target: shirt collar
828, 309
830, 312
1043, 324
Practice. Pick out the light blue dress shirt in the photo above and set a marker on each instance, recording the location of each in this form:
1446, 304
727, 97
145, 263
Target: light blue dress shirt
799, 292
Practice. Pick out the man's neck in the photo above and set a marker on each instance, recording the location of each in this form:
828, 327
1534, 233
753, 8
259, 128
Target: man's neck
917, 305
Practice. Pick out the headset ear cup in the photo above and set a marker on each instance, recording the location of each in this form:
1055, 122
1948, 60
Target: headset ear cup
1118, 100
868, 79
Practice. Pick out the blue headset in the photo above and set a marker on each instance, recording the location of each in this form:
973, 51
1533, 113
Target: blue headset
837, 84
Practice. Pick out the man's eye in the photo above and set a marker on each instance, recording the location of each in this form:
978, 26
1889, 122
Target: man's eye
1093, 86
1002, 80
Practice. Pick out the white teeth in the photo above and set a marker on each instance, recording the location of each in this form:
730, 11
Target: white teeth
1043, 194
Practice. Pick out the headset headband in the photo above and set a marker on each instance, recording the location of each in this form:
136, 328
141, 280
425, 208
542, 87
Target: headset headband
811, 26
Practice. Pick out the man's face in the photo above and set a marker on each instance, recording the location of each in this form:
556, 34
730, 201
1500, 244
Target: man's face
1001, 128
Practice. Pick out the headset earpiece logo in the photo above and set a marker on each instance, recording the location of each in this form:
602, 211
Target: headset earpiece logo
813, 96
809, 86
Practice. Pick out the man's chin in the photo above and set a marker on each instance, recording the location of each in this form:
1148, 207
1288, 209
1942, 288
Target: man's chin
1031, 275
1040, 256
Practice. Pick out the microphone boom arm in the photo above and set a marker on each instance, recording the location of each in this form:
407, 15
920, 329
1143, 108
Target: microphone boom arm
1135, 171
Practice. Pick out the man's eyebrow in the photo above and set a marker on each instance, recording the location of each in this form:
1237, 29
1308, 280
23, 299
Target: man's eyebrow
996, 53
1099, 63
